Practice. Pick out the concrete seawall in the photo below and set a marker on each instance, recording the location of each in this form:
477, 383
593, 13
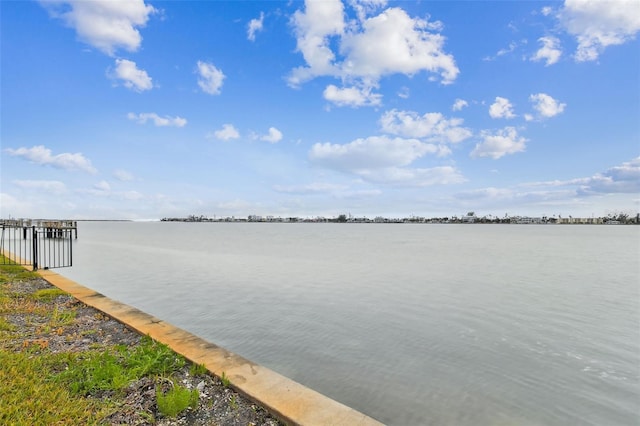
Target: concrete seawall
292, 402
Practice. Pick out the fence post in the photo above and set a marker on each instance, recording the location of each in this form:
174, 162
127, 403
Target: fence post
35, 248
71, 246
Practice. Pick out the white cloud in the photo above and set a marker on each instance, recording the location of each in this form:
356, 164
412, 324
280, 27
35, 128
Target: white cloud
351, 96
130, 195
503, 142
508, 198
555, 183
133, 78
357, 194
369, 48
11, 205
41, 155
102, 186
254, 26
597, 25
546, 11
227, 132
384, 160
459, 104
320, 21
433, 126
273, 136
549, 52
103, 189
501, 108
401, 176
105, 24
165, 121
235, 205
490, 193
371, 153
364, 8
49, 186
546, 106
123, 175
312, 188
623, 179
619, 179
402, 45
504, 51
511, 48
211, 78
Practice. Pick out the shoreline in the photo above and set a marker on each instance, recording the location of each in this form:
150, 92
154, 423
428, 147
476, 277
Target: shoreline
288, 401
46, 333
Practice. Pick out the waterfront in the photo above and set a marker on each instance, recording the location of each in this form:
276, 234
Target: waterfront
435, 324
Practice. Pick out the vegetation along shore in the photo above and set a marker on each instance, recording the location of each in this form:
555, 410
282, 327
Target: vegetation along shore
62, 362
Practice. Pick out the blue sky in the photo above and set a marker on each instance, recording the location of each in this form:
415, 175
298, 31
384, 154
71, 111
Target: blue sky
148, 109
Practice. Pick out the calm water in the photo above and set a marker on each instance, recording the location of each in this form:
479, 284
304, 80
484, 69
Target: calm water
410, 324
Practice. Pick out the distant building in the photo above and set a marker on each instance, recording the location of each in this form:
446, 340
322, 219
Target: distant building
580, 220
528, 220
469, 218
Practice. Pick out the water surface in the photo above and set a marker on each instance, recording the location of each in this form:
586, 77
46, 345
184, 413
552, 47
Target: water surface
410, 324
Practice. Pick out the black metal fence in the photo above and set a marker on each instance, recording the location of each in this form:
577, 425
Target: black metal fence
42, 244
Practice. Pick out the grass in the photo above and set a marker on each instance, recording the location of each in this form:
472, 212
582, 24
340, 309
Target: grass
225, 380
29, 398
61, 318
94, 372
10, 271
28, 395
42, 388
34, 304
6, 326
233, 403
48, 294
176, 400
197, 369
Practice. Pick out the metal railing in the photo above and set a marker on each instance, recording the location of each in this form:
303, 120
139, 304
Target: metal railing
42, 244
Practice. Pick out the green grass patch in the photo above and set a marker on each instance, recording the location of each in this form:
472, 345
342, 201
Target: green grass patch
225, 380
5, 325
48, 294
233, 403
60, 318
94, 371
28, 398
176, 400
4, 297
9, 270
16, 272
197, 369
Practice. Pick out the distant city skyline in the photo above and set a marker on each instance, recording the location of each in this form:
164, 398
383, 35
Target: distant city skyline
141, 110
469, 217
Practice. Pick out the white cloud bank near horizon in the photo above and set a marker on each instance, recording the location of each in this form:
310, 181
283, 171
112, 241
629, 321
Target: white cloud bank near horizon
549, 196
